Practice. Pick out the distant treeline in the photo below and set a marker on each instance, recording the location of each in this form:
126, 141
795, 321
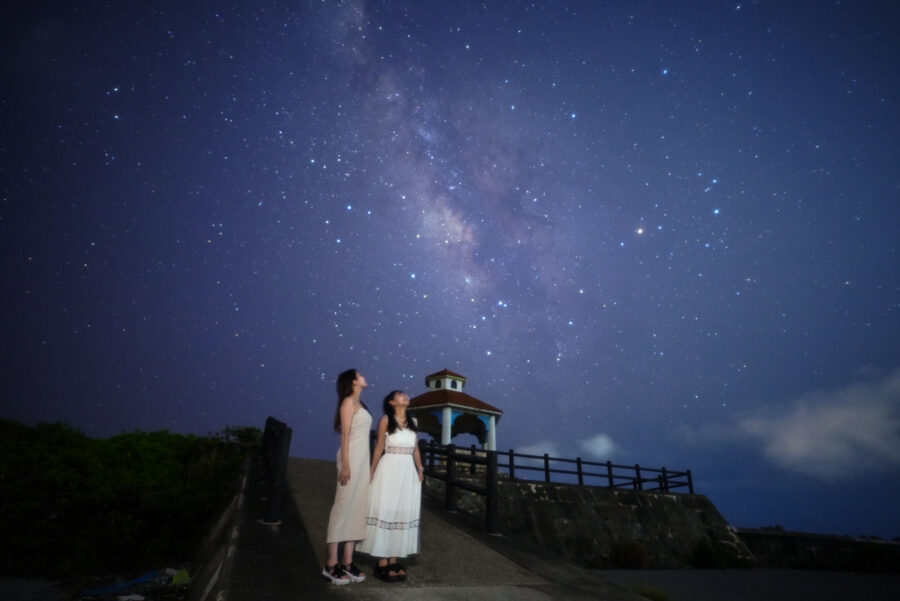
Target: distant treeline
72, 505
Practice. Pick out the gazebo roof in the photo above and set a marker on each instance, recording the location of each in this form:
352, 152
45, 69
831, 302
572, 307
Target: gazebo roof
439, 398
445, 372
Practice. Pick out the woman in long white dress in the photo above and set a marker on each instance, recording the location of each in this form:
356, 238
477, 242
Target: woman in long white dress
347, 521
395, 494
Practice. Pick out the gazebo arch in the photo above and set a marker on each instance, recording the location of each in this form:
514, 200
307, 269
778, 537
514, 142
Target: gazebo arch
445, 411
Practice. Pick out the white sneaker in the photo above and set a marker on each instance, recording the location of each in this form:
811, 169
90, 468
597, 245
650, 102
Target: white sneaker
336, 575
353, 573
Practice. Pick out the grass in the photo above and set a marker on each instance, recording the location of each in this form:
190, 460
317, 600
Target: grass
70, 504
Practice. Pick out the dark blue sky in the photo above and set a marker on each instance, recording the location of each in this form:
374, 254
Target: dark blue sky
651, 232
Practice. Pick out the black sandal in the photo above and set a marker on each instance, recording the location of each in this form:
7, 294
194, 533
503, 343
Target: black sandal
396, 567
384, 573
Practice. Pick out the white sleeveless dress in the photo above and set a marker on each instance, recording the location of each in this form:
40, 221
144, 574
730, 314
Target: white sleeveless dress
347, 521
395, 500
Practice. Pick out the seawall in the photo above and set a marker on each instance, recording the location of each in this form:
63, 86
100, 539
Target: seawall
777, 548
609, 528
602, 527
214, 560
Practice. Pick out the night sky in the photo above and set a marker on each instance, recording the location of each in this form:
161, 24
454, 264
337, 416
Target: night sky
662, 233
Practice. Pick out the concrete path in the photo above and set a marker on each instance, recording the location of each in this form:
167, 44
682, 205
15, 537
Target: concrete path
453, 563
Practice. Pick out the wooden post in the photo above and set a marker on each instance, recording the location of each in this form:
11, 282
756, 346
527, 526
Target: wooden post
490, 501
609, 474
449, 498
664, 485
279, 447
638, 485
690, 482
472, 459
424, 449
512, 465
435, 457
546, 467
580, 474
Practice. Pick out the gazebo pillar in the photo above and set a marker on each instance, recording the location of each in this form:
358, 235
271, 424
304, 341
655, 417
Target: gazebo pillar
492, 434
446, 426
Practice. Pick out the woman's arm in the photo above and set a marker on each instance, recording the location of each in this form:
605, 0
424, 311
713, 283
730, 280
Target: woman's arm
378, 451
418, 459
347, 411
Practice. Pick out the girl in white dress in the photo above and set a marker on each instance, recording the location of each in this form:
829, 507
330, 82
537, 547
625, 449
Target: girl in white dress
347, 521
395, 494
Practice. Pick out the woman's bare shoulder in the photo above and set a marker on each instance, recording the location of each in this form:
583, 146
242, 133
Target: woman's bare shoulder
347, 405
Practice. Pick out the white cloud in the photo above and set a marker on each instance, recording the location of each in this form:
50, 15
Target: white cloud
834, 434
599, 446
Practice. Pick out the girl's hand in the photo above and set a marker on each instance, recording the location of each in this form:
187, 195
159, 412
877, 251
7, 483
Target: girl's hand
421, 473
344, 476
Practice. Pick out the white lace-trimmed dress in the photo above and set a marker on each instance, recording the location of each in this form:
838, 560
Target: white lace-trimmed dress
395, 500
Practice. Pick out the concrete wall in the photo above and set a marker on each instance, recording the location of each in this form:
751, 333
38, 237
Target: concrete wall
601, 527
777, 548
213, 563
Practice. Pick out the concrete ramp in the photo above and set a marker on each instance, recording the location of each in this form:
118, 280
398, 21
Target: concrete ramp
454, 562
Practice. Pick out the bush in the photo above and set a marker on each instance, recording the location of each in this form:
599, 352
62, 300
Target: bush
70, 504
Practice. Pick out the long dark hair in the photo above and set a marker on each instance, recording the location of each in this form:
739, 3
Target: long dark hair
392, 419
344, 389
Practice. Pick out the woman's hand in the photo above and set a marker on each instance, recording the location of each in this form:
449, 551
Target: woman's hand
344, 476
421, 471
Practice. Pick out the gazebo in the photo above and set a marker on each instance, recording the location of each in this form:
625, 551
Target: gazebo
445, 411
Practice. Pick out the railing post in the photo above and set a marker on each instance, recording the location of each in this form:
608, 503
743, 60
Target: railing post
472, 459
609, 474
690, 482
665, 480
638, 485
512, 465
546, 467
423, 451
278, 437
580, 474
449, 497
490, 501
431, 454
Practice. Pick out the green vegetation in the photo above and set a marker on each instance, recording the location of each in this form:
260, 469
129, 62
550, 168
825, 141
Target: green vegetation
72, 505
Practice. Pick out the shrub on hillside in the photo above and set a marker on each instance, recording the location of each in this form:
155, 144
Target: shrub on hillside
71, 504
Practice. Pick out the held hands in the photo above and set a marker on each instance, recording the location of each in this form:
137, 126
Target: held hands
344, 476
